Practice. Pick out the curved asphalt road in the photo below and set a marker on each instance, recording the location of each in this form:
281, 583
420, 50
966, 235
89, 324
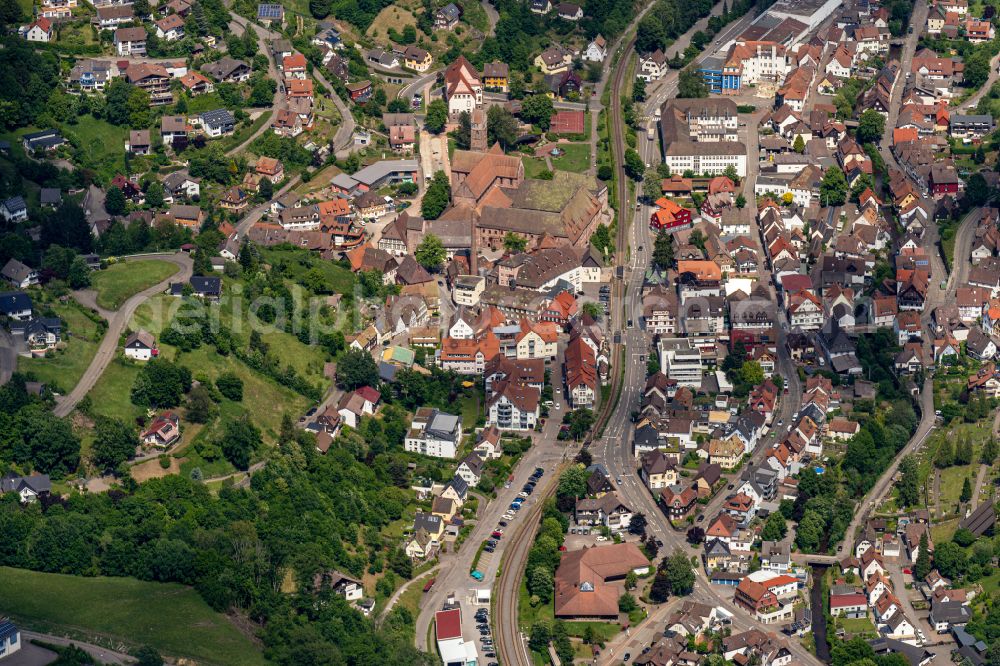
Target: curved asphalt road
109, 346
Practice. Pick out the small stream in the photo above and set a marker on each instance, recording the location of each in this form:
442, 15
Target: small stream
819, 614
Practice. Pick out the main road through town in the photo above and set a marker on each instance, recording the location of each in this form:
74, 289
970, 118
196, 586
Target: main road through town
614, 449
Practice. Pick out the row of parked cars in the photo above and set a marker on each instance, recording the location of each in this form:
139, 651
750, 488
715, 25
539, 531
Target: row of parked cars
483, 625
490, 545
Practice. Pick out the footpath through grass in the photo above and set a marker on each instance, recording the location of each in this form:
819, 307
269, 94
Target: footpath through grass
119, 282
125, 613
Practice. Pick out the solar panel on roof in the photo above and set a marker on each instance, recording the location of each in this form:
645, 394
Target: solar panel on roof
269, 11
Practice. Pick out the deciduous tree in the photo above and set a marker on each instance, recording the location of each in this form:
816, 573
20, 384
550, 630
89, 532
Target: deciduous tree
437, 116
690, 84
114, 442
538, 110
663, 250
230, 385
355, 369
430, 253
437, 197
239, 441
870, 126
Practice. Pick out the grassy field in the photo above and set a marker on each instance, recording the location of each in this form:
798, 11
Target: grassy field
101, 144
392, 16
63, 371
77, 34
123, 611
471, 408
951, 484
263, 399
575, 159
207, 102
111, 393
241, 135
299, 262
410, 600
943, 530
119, 282
157, 312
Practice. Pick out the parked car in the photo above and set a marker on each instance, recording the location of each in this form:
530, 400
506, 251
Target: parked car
477, 574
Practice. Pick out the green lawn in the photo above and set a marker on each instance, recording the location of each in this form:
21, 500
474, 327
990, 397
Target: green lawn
943, 530
100, 145
471, 408
154, 314
533, 166
298, 262
111, 394
857, 625
604, 631
63, 371
114, 611
119, 282
157, 312
575, 159
952, 479
263, 399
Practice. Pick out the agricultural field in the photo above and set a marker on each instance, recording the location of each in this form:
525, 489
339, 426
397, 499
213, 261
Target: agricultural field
119, 282
117, 612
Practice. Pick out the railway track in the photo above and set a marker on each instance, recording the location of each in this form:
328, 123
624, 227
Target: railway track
511, 649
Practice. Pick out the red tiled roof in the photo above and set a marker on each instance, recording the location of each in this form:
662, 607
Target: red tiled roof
847, 600
448, 624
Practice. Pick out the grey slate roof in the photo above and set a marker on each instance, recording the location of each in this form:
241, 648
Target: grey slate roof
14, 301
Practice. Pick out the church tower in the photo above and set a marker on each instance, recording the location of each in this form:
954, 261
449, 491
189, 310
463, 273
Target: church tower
478, 136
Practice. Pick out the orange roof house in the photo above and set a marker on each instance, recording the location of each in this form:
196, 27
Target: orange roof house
704, 270
294, 62
299, 88
334, 207
669, 216
584, 581
904, 134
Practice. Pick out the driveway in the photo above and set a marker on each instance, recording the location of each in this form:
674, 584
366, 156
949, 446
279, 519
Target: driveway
34, 653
